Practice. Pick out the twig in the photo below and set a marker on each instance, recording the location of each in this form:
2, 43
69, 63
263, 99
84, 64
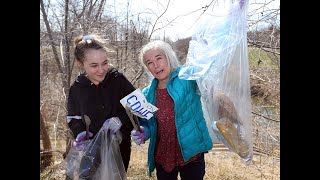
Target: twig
260, 170
138, 75
258, 77
265, 117
152, 31
51, 151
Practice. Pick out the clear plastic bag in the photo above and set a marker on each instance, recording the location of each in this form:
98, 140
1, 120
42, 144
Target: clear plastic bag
218, 60
99, 159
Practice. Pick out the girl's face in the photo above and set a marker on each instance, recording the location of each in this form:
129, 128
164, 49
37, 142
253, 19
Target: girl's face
157, 64
95, 65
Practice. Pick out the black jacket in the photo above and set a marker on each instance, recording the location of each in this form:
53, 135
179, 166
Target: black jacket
99, 103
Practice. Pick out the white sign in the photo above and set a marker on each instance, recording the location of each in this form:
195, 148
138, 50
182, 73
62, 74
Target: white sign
138, 104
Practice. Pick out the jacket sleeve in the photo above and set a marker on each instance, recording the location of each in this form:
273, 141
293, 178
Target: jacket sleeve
74, 118
126, 88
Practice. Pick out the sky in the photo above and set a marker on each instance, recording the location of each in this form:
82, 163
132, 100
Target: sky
183, 13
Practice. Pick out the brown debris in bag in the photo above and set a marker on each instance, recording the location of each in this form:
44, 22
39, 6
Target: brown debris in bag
231, 135
229, 126
226, 108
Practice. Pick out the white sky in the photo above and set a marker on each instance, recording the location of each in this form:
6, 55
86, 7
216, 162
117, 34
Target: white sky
182, 26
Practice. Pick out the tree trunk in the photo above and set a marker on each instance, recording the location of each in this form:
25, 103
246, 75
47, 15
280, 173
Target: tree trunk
45, 157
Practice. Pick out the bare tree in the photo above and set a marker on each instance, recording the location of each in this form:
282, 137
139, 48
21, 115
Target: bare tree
78, 18
62, 20
46, 158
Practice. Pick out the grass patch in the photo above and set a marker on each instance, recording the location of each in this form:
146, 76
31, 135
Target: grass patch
262, 59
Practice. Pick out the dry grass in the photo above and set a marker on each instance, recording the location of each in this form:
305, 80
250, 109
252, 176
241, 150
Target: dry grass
228, 165
220, 165
138, 167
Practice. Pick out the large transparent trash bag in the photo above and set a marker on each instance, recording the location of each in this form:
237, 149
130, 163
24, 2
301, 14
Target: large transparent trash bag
99, 159
217, 34
218, 60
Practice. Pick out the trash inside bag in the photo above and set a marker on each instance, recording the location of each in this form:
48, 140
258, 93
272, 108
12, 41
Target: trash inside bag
218, 60
100, 159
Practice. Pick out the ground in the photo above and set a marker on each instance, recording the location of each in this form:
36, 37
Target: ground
220, 165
